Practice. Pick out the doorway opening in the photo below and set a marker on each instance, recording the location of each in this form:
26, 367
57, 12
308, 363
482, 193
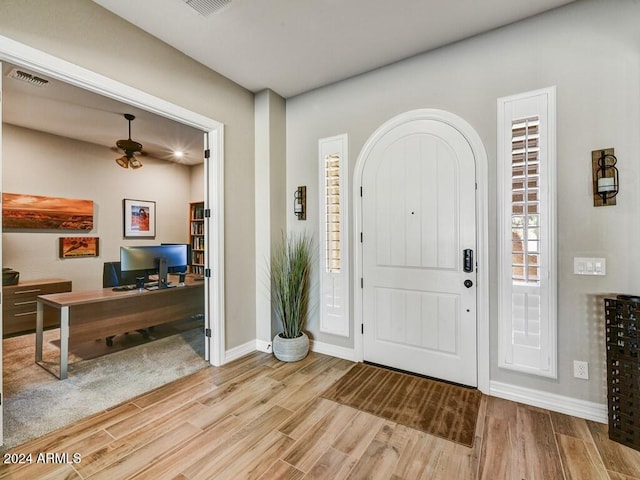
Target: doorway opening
210, 176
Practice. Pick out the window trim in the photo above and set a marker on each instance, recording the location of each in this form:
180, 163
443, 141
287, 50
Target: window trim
335, 322
541, 102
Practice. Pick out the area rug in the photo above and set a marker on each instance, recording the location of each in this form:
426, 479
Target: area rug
45, 403
438, 408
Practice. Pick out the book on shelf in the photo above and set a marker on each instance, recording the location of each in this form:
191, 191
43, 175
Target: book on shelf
197, 237
197, 229
198, 212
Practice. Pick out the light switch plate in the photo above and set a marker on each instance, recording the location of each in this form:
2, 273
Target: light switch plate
589, 266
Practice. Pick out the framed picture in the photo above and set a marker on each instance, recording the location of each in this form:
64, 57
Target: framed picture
139, 218
22, 211
76, 247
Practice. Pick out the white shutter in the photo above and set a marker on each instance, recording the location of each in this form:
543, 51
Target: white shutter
527, 256
334, 276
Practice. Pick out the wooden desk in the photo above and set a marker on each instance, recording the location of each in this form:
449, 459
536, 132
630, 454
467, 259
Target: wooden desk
95, 314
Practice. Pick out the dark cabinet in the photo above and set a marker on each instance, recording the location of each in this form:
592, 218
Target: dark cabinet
19, 304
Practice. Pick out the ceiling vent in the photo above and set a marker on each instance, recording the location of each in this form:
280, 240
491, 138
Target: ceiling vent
27, 77
207, 7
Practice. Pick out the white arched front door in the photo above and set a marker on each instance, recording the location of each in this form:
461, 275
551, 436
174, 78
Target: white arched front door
418, 261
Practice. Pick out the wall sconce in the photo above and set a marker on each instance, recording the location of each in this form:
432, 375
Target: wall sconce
300, 203
605, 177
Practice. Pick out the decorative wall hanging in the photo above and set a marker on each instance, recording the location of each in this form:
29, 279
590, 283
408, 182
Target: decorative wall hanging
300, 202
139, 218
76, 247
35, 212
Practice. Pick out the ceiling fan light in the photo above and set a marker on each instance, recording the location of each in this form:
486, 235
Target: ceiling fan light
123, 162
129, 147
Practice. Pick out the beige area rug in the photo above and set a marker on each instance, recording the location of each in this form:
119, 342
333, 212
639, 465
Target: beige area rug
438, 408
36, 402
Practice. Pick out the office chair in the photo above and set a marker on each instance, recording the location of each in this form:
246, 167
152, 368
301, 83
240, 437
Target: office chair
112, 277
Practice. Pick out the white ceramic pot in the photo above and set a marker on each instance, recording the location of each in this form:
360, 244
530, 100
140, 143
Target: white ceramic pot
291, 349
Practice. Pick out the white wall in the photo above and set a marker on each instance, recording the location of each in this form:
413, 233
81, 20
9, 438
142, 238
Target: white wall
42, 164
590, 50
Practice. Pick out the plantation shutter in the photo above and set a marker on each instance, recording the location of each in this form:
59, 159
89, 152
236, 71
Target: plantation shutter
525, 201
526, 164
332, 212
334, 277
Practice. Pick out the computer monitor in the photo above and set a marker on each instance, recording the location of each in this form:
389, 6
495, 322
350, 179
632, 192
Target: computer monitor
182, 268
158, 258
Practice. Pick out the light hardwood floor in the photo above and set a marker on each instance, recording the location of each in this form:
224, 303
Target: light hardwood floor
262, 419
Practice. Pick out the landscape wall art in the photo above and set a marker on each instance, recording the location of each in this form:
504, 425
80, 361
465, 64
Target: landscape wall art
35, 212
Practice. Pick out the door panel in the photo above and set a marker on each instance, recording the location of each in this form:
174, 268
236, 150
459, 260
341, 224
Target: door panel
414, 318
418, 215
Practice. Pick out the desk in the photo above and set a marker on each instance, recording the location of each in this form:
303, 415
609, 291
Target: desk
95, 314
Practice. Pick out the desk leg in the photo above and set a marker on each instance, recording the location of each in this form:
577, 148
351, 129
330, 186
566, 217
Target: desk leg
64, 341
39, 330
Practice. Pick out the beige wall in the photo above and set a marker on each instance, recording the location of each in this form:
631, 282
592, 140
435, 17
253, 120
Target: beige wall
85, 34
37, 163
591, 51
270, 168
197, 183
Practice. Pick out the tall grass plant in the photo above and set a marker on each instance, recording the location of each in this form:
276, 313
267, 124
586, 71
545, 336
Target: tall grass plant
291, 263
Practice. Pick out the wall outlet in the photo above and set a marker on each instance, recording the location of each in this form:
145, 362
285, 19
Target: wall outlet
581, 369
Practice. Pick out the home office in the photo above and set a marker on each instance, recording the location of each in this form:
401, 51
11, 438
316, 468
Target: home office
83, 316
49, 261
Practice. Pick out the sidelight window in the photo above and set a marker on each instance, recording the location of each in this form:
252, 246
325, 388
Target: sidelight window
334, 277
527, 253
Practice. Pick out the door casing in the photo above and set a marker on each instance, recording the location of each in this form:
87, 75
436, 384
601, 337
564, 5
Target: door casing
25, 56
482, 277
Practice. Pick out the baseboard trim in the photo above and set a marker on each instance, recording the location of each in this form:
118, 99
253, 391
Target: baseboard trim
596, 412
333, 350
263, 346
239, 351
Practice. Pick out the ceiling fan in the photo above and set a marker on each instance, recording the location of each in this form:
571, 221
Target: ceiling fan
130, 148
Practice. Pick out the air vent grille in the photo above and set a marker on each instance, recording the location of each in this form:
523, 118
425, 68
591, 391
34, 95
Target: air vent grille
207, 7
27, 77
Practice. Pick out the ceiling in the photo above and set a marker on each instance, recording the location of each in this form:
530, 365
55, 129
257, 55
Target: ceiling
293, 46
62, 109
289, 46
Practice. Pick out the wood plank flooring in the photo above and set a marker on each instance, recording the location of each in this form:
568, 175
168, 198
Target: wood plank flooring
258, 418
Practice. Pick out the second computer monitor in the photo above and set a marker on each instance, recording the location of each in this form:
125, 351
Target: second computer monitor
157, 258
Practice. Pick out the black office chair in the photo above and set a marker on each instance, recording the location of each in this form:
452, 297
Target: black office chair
111, 274
112, 277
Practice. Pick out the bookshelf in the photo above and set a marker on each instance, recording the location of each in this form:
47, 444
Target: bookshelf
196, 237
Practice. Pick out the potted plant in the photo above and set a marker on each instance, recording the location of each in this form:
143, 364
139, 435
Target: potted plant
290, 276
